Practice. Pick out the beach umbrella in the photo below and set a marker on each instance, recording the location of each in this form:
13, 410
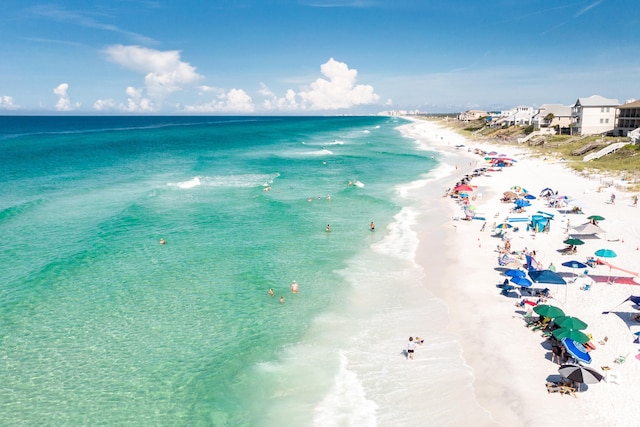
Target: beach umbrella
576, 350
574, 264
588, 228
546, 276
504, 226
574, 334
570, 322
521, 281
580, 374
515, 273
546, 310
546, 192
529, 196
573, 242
493, 153
518, 189
606, 253
596, 218
510, 195
522, 203
463, 187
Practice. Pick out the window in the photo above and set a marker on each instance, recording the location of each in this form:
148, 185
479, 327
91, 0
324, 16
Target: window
602, 109
601, 121
606, 120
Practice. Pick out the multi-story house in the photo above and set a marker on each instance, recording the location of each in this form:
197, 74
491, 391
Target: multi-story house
628, 118
593, 115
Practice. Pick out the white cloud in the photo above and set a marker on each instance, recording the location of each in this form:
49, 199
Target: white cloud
64, 102
104, 105
234, 101
164, 71
337, 91
137, 103
7, 103
272, 102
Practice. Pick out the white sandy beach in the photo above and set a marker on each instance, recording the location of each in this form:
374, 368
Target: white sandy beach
510, 362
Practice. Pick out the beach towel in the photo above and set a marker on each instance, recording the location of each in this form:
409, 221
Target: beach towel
613, 279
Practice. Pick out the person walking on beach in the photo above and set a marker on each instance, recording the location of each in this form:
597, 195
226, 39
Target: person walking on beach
411, 348
635, 201
613, 198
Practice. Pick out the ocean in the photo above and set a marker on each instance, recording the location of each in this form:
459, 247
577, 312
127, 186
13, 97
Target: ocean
100, 324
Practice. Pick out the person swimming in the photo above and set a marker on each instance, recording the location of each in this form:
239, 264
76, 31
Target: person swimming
294, 287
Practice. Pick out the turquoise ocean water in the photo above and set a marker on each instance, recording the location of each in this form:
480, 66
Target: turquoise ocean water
102, 325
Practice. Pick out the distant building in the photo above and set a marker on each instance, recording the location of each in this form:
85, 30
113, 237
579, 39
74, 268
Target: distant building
518, 116
627, 118
553, 116
471, 115
593, 115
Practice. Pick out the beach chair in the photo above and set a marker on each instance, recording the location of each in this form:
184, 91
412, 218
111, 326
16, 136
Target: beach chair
604, 340
621, 359
568, 389
612, 377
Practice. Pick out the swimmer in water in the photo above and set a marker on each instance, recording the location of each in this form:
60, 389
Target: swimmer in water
328, 228
294, 287
281, 300
162, 242
270, 292
372, 226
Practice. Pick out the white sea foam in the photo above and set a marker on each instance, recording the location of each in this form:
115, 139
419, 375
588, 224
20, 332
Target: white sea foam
358, 183
346, 404
193, 182
237, 181
400, 241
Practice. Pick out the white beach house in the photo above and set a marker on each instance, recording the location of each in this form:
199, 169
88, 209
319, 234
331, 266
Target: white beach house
553, 116
593, 115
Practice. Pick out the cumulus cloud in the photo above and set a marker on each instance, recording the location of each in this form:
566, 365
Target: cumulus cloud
64, 101
338, 90
234, 101
7, 103
164, 71
272, 102
104, 105
137, 103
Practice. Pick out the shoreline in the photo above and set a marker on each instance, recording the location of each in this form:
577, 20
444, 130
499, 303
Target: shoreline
511, 363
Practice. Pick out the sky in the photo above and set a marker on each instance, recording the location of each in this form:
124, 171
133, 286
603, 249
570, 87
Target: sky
313, 57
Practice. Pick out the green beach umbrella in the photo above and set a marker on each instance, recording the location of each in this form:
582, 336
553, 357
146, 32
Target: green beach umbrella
546, 310
596, 217
570, 322
573, 242
574, 334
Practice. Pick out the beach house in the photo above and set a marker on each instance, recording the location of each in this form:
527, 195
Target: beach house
471, 115
593, 115
553, 116
627, 118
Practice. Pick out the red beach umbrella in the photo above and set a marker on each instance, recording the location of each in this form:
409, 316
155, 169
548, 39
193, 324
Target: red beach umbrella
463, 187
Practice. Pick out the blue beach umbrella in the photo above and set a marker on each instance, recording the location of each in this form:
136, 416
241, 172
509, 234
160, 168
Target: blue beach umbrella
606, 253
546, 276
522, 203
521, 281
577, 350
515, 273
574, 264
529, 196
